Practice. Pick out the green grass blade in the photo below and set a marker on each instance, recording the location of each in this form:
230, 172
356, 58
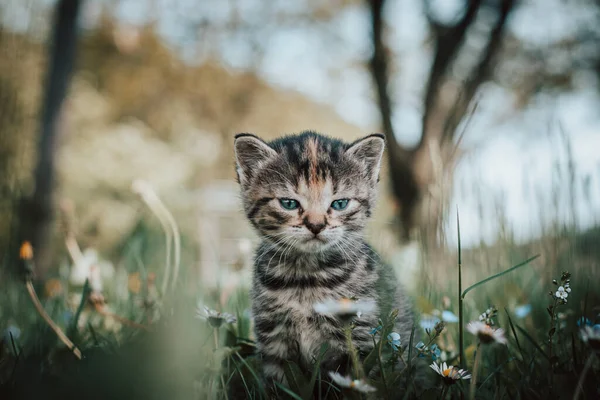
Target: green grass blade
72, 329
317, 369
371, 358
495, 371
258, 381
296, 380
461, 329
467, 290
512, 328
239, 370
288, 391
533, 342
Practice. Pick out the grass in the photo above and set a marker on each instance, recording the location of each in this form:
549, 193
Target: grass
148, 342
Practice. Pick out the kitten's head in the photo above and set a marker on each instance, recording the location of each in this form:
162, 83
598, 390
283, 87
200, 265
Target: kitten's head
308, 191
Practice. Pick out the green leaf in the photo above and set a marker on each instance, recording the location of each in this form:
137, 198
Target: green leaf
467, 290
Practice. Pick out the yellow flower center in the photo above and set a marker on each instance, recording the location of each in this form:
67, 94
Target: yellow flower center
446, 372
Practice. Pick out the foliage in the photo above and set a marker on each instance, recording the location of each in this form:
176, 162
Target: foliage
144, 348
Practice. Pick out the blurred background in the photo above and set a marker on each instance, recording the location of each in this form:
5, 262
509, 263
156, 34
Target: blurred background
489, 108
117, 120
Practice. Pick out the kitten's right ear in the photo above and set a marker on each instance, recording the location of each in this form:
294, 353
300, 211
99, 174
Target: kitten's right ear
250, 153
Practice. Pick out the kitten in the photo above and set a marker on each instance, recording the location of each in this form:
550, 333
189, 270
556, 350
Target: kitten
309, 197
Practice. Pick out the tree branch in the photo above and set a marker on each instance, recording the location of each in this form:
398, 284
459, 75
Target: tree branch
404, 185
448, 41
481, 72
379, 71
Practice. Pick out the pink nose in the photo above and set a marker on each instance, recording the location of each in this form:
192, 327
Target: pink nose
315, 228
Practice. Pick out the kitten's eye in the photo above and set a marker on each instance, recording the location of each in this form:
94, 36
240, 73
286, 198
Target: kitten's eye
289, 204
340, 204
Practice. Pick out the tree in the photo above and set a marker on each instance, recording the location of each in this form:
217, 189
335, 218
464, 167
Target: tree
421, 175
35, 214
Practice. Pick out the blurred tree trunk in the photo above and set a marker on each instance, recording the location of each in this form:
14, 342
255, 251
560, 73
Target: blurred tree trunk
421, 176
35, 214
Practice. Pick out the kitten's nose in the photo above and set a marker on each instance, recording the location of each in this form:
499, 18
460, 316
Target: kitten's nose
314, 228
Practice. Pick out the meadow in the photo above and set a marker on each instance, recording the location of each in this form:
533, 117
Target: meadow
494, 322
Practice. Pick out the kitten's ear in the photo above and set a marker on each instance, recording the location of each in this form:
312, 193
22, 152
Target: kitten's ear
250, 153
369, 151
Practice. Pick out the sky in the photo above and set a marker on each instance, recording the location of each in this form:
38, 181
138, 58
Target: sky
512, 155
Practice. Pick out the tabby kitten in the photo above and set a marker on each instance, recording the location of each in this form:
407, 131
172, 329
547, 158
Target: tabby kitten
309, 197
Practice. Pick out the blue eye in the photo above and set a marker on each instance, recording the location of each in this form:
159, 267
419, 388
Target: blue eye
289, 204
340, 204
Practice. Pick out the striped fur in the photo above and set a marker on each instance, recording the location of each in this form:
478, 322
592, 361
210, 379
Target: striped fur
314, 252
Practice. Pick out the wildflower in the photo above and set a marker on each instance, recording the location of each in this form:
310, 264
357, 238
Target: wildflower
562, 294
376, 330
591, 336
450, 374
486, 333
428, 322
345, 307
53, 288
439, 327
394, 340
488, 315
215, 318
26, 251
436, 352
134, 283
348, 383
449, 316
584, 321
26, 255
90, 266
522, 311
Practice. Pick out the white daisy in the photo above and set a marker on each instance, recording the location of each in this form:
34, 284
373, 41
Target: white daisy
346, 382
345, 307
450, 374
214, 318
486, 333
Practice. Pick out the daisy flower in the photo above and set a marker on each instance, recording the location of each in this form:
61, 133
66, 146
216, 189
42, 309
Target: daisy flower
346, 382
450, 374
345, 307
486, 333
215, 318
591, 336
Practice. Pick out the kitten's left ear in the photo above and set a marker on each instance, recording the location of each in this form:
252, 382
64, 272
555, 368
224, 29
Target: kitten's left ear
369, 151
250, 153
